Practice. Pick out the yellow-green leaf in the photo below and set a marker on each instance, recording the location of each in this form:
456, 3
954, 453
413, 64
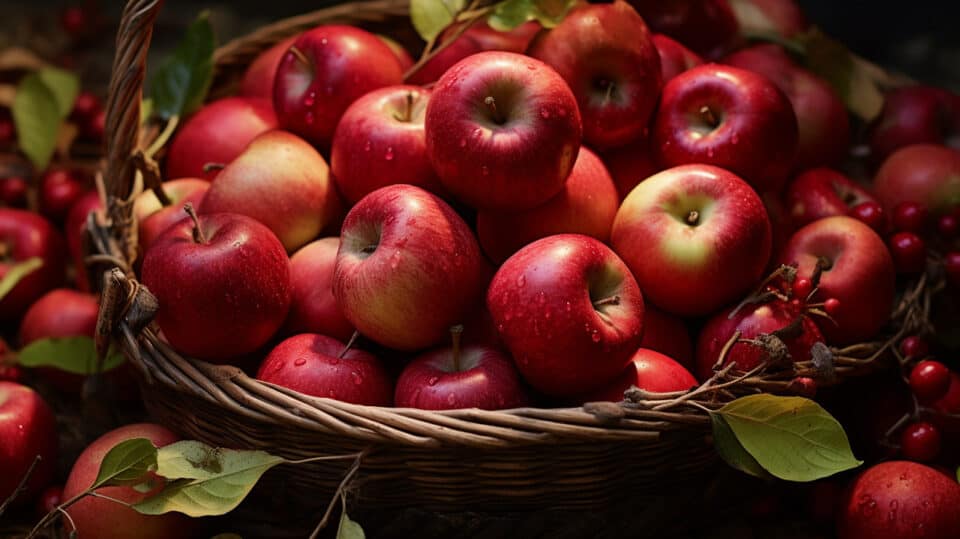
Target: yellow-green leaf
64, 86
732, 452
77, 355
856, 81
126, 463
205, 480
16, 273
430, 17
510, 14
181, 83
36, 115
349, 529
793, 438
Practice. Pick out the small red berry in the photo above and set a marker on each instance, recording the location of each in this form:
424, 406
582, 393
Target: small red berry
85, 106
49, 500
920, 441
831, 306
74, 20
59, 189
13, 192
948, 226
914, 347
870, 213
802, 288
11, 373
910, 217
909, 252
796, 304
8, 132
929, 381
94, 127
804, 386
951, 266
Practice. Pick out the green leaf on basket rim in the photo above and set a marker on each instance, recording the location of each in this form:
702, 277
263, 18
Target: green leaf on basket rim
430, 17
16, 273
349, 529
36, 115
792, 438
732, 452
77, 355
126, 463
205, 480
181, 83
146, 110
510, 14
64, 86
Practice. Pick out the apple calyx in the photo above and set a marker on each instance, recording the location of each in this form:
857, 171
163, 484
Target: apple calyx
456, 333
198, 236
709, 117
349, 345
407, 113
693, 218
491, 103
606, 86
211, 167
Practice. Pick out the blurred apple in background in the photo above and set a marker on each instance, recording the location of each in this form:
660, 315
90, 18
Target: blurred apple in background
313, 309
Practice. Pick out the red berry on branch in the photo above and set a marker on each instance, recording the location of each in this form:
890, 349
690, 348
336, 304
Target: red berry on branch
948, 226
74, 21
870, 213
831, 306
49, 500
920, 442
802, 288
804, 386
951, 266
910, 217
929, 381
8, 132
13, 192
94, 128
11, 373
914, 347
85, 106
909, 252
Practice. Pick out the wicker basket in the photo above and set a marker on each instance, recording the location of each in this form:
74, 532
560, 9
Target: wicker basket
524, 461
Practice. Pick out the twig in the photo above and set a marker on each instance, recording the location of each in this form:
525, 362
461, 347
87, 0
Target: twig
22, 486
465, 19
339, 492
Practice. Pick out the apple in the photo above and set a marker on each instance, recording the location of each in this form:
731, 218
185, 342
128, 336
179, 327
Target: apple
674, 57
313, 309
822, 120
727, 117
667, 334
25, 235
696, 237
407, 269
924, 173
753, 320
28, 429
259, 77
217, 134
74, 228
606, 55
586, 205
822, 192
569, 312
900, 500
915, 115
154, 218
380, 141
778, 17
648, 370
403, 56
856, 269
223, 284
461, 377
322, 366
281, 181
708, 27
630, 165
323, 72
479, 37
503, 131
106, 519
59, 189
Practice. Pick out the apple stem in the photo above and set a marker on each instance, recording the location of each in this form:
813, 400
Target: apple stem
349, 345
612, 300
210, 167
693, 218
491, 103
456, 332
301, 57
198, 236
708, 116
408, 110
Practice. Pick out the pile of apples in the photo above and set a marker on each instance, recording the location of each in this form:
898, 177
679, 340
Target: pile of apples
547, 217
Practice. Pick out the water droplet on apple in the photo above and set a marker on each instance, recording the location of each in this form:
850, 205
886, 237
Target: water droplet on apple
310, 99
532, 67
735, 139
463, 143
561, 111
357, 379
522, 281
367, 146
546, 315
451, 399
299, 362
484, 170
389, 155
328, 90
323, 41
710, 153
309, 118
332, 394
395, 260
433, 381
478, 132
544, 113
595, 336
499, 327
568, 306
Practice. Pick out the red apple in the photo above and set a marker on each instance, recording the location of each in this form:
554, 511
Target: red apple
668, 335
648, 370
380, 141
822, 192
822, 120
25, 235
900, 500
223, 283
751, 321
73, 228
27, 429
408, 268
674, 57
727, 117
696, 237
403, 56
569, 312
59, 189
281, 181
606, 55
503, 131
106, 519
313, 309
915, 115
764, 17
154, 218
856, 269
586, 205
321, 366
708, 27
217, 134
630, 165
924, 173
468, 377
259, 77
323, 72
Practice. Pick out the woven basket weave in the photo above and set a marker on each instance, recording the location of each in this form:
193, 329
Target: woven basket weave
522, 460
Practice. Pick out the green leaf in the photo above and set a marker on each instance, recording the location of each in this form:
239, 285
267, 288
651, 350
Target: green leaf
17, 272
510, 14
77, 355
732, 452
430, 17
146, 110
856, 81
181, 83
126, 463
207, 480
793, 438
349, 529
36, 115
64, 86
